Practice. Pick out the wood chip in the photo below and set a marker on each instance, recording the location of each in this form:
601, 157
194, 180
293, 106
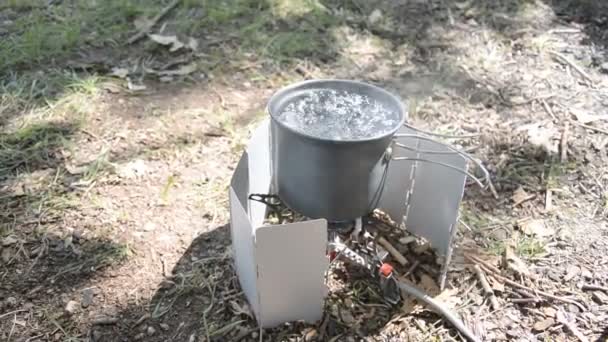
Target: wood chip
393, 251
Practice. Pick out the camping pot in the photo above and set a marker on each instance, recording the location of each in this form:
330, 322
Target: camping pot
338, 180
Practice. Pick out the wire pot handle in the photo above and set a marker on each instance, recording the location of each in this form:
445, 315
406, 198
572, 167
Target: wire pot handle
466, 173
452, 150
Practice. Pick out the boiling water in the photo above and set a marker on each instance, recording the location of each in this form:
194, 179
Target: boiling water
338, 115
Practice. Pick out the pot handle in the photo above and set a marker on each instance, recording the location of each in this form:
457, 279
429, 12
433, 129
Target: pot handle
452, 150
465, 172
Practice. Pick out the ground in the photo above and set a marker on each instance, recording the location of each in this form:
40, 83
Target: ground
116, 150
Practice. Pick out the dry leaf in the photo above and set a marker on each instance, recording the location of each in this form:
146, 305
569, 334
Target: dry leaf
549, 311
496, 285
112, 87
571, 272
428, 284
450, 298
520, 196
171, 41
240, 309
192, 44
7, 254
181, 71
536, 227
542, 135
120, 72
514, 263
585, 118
9, 240
135, 87
133, 169
544, 324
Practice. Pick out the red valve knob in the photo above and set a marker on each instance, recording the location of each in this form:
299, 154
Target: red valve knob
386, 269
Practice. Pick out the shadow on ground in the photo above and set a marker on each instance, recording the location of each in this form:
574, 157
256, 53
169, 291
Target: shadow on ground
201, 299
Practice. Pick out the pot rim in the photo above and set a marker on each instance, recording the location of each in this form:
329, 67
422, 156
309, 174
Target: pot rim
281, 93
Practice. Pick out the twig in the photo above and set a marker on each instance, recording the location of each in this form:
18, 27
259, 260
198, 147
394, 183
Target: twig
548, 200
548, 109
486, 287
438, 308
520, 286
394, 252
574, 66
591, 287
561, 318
563, 144
525, 300
12, 312
412, 268
105, 321
144, 30
599, 130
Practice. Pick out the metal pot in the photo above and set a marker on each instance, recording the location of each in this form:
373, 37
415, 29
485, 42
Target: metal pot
333, 179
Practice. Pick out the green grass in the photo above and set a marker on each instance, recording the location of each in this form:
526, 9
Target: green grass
33, 147
529, 247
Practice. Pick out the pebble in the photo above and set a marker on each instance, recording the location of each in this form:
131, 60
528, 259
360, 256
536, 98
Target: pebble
375, 17
139, 336
150, 331
87, 298
11, 301
164, 326
604, 67
254, 334
71, 307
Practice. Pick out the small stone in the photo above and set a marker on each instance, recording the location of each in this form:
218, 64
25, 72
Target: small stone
11, 301
375, 17
87, 298
549, 311
7, 254
585, 273
150, 331
254, 334
139, 336
164, 326
573, 309
604, 67
71, 307
544, 324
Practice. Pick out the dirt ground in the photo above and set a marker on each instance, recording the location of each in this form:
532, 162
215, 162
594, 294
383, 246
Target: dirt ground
116, 150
